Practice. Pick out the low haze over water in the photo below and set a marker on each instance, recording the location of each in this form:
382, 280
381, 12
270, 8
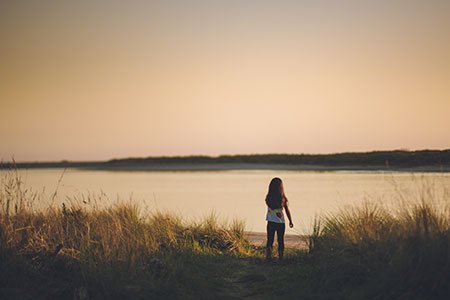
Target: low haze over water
234, 194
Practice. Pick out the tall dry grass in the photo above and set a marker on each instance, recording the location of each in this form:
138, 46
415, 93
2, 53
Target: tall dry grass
92, 246
404, 250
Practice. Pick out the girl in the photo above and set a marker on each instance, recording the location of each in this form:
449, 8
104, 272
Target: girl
276, 200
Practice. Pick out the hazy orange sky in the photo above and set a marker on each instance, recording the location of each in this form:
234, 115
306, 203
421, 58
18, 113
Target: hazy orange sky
88, 80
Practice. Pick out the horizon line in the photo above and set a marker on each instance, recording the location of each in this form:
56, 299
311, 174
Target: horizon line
13, 161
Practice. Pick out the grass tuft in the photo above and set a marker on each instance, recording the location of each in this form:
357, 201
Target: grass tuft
371, 250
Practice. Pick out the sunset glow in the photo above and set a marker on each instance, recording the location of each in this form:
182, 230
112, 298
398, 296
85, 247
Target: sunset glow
88, 80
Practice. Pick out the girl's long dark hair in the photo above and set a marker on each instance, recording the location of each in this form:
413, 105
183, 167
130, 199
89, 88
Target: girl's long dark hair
275, 195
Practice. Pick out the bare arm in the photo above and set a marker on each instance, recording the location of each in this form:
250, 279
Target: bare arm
288, 213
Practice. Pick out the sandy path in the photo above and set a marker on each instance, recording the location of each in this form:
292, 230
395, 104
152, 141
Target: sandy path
290, 240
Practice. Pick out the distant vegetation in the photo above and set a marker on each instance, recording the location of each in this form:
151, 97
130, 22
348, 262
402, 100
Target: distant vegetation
427, 159
386, 158
78, 251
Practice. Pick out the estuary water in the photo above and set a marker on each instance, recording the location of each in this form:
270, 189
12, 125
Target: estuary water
232, 194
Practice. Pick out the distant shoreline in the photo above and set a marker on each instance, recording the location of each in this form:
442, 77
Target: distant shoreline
227, 167
398, 160
275, 167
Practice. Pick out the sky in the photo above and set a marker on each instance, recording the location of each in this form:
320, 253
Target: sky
95, 80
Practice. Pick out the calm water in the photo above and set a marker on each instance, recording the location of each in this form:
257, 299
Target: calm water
233, 194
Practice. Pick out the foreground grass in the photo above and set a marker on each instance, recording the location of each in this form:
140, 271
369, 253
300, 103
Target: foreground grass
81, 252
370, 253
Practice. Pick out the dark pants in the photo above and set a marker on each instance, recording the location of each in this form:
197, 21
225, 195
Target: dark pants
279, 228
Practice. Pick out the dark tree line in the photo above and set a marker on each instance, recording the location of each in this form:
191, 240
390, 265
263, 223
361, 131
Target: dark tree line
381, 159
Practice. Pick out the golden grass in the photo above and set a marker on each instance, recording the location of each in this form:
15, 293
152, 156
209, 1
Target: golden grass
404, 252
91, 236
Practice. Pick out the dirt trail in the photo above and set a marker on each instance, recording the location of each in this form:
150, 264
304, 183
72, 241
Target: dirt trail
247, 281
249, 278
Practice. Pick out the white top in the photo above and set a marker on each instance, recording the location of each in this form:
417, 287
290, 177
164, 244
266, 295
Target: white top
272, 215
